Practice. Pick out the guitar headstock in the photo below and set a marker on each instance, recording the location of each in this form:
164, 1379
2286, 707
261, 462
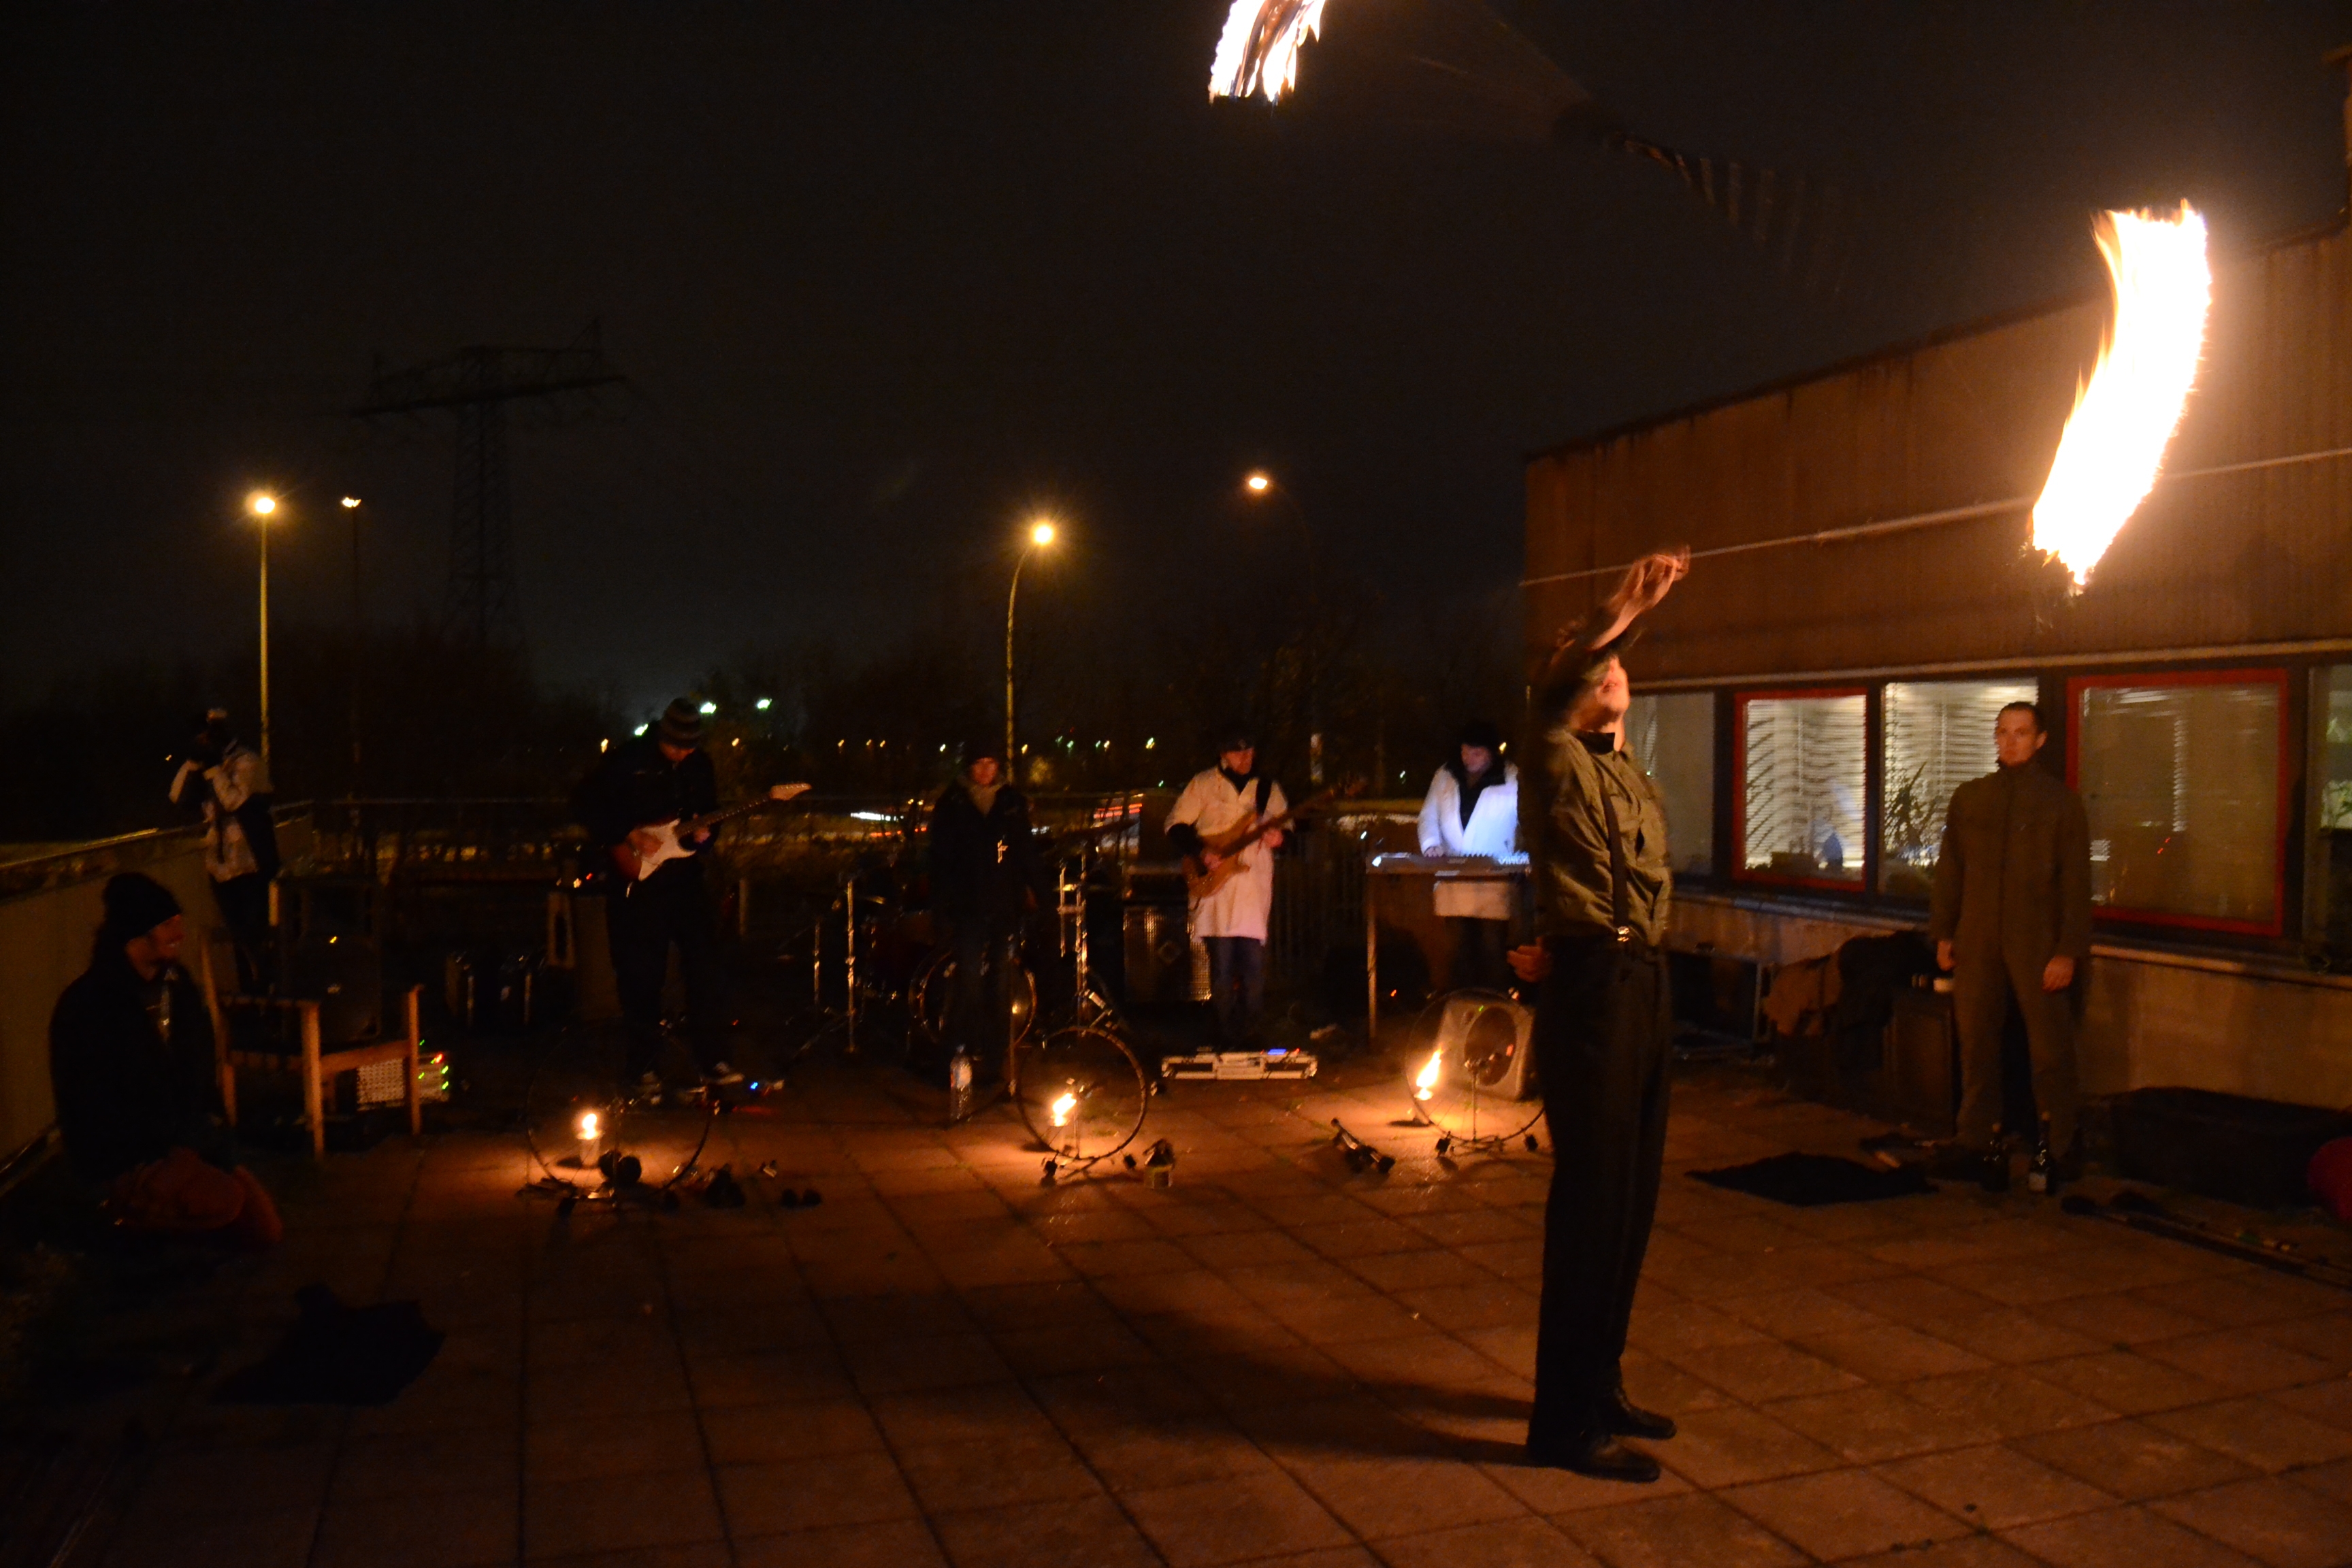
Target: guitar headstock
786, 791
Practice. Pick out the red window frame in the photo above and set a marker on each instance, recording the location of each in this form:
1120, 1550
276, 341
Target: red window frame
2076, 685
1739, 868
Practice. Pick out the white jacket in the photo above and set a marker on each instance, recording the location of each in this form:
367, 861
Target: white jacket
1212, 806
1492, 833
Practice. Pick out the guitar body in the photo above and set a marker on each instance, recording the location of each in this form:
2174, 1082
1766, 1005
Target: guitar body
657, 844
1202, 880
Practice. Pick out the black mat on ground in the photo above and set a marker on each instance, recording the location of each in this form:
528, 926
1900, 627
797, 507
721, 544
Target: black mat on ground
336, 1355
1809, 1180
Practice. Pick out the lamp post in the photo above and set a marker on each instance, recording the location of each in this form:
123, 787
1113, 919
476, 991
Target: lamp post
263, 506
1262, 485
352, 505
1041, 535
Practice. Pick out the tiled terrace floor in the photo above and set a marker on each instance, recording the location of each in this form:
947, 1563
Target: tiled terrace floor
1274, 1362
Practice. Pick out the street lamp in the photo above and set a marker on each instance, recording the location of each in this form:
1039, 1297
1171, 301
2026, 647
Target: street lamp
1041, 536
263, 506
1260, 485
359, 655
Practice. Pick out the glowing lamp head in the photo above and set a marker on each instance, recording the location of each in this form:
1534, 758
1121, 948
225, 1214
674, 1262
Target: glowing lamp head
1062, 1108
1258, 484
261, 503
1041, 533
709, 708
764, 703
351, 503
1425, 1082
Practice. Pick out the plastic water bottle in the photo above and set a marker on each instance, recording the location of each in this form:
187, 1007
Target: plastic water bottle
959, 1086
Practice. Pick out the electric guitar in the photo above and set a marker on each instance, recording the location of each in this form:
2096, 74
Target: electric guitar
669, 838
1202, 880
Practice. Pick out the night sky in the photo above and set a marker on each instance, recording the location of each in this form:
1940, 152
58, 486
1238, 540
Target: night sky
887, 276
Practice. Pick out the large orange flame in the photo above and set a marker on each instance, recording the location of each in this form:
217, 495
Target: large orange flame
1424, 1083
1259, 50
2114, 444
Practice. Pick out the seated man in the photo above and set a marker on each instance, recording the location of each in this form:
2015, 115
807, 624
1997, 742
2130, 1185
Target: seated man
130, 1058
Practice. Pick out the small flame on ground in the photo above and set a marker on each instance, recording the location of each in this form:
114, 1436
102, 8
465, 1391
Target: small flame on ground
1259, 50
1062, 1108
591, 1124
1424, 1083
2114, 446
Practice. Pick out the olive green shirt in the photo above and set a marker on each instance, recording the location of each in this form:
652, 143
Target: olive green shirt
2013, 877
1564, 774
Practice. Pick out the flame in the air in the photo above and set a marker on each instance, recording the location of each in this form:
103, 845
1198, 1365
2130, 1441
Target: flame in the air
1259, 50
1424, 1083
2114, 446
1062, 1108
591, 1124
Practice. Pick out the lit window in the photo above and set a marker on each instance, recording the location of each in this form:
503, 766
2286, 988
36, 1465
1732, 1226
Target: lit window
2331, 870
1801, 777
1672, 737
1938, 735
2180, 774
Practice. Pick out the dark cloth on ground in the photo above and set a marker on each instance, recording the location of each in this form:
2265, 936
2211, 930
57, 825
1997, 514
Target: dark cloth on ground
131, 1064
1809, 1180
338, 1354
1603, 1028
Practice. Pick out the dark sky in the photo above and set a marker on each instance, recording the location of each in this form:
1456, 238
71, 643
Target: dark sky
885, 275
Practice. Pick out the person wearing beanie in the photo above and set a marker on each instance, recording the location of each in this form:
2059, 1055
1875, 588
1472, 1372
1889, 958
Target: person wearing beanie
227, 782
1231, 921
985, 877
137, 1087
663, 775
1471, 810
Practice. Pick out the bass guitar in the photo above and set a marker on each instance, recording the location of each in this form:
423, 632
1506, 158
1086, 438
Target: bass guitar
657, 844
1202, 880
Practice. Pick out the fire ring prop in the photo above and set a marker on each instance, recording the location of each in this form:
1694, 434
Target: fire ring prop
1470, 1072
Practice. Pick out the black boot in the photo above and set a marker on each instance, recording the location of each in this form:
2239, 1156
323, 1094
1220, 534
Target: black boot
1597, 1455
1627, 1419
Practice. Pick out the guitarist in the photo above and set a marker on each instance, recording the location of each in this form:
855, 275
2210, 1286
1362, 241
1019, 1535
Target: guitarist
661, 776
1231, 921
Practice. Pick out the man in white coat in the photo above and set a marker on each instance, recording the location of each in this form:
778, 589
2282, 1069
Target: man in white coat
1231, 921
1473, 811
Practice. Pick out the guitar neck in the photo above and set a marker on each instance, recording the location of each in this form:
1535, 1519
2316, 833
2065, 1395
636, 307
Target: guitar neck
725, 814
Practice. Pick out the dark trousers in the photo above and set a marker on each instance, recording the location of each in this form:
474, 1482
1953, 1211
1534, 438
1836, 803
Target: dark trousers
669, 907
979, 1003
1236, 984
1984, 986
1602, 1032
245, 909
1478, 948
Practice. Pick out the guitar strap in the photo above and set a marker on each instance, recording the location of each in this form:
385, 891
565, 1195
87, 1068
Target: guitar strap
1621, 892
1264, 792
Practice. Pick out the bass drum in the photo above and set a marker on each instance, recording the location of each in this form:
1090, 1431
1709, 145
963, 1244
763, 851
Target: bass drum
934, 999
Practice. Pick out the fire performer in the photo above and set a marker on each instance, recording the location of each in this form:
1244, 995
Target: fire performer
1596, 832
661, 777
132, 1062
1221, 806
1473, 809
2012, 918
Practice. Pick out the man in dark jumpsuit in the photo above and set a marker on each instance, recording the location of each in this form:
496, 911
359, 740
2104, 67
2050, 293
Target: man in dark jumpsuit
2012, 918
660, 777
1595, 829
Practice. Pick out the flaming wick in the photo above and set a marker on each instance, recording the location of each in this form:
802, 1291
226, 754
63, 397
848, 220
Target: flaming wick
1426, 1082
2124, 418
590, 1126
1062, 1108
1259, 50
